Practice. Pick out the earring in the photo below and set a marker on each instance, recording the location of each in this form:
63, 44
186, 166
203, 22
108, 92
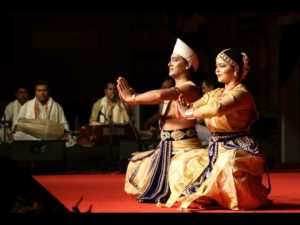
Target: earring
236, 69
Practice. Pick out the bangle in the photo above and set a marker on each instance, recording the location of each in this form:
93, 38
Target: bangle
133, 97
189, 114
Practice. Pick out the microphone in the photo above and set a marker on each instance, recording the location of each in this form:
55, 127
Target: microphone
114, 97
105, 117
101, 113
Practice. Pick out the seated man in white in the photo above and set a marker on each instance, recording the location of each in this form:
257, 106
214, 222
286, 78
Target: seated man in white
38, 110
109, 109
11, 112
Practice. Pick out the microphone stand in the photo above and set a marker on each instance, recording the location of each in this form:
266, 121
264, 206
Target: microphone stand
5, 126
131, 121
111, 126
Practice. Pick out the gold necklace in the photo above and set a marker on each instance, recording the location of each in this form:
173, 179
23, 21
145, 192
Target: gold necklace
223, 92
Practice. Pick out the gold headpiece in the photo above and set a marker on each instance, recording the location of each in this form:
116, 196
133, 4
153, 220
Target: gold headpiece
233, 63
226, 58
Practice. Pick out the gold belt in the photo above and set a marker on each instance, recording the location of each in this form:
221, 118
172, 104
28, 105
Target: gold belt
176, 135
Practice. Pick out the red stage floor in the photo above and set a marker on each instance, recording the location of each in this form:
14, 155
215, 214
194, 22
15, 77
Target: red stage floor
104, 191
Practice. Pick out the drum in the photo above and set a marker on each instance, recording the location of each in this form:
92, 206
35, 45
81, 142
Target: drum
42, 129
85, 137
102, 134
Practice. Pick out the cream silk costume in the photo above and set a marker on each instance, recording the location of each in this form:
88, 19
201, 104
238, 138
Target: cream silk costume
233, 176
115, 112
153, 176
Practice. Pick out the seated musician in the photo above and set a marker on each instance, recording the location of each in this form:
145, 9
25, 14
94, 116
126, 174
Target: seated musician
109, 108
35, 112
12, 110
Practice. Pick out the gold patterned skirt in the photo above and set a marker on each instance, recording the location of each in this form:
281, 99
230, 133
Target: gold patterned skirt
187, 160
235, 179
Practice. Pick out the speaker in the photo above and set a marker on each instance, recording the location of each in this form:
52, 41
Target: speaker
39, 157
22, 193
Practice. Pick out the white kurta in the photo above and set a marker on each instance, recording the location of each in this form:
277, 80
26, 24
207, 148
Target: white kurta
12, 110
33, 109
116, 113
11, 114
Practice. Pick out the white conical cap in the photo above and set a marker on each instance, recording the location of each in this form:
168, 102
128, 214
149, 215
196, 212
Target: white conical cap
186, 52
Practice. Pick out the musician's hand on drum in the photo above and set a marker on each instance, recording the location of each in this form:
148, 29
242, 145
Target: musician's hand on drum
10, 136
66, 137
125, 92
